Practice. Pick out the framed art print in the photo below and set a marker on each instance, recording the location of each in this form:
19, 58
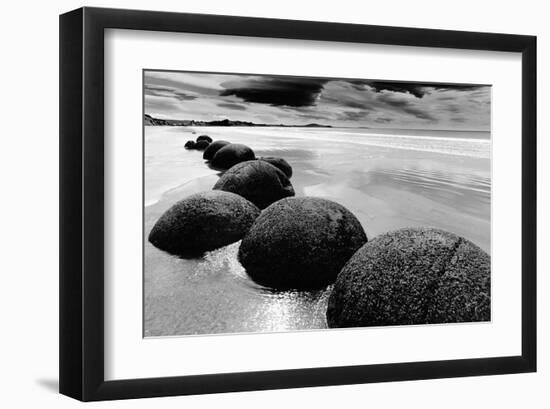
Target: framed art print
255, 204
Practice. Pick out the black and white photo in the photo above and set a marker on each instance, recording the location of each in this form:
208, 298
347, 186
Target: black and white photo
278, 203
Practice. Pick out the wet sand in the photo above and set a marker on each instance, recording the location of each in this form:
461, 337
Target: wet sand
387, 181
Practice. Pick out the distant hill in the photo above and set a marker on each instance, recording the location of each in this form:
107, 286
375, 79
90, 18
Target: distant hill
148, 120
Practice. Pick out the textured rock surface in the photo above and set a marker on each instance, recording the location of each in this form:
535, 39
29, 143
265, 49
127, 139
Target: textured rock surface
201, 145
204, 138
257, 181
412, 276
189, 145
300, 243
280, 164
213, 148
202, 222
232, 154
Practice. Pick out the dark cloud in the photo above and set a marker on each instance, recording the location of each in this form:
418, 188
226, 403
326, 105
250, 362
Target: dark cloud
458, 119
417, 89
228, 105
405, 87
293, 92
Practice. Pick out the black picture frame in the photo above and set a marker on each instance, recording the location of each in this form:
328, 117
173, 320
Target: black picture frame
82, 198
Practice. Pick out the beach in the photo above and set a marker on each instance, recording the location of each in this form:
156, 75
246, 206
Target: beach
389, 179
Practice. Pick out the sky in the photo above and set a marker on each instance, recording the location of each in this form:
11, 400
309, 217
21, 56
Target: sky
303, 100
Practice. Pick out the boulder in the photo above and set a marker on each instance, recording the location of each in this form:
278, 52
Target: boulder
232, 154
204, 138
300, 243
203, 222
213, 148
412, 276
189, 145
201, 145
257, 181
280, 164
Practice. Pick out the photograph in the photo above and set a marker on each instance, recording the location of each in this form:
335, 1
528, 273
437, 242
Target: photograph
276, 203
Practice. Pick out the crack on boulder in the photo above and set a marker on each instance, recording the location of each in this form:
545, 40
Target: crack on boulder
434, 285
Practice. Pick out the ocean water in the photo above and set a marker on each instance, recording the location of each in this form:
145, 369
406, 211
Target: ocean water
388, 178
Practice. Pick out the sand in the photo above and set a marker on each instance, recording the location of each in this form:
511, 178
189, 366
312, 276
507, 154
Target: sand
389, 180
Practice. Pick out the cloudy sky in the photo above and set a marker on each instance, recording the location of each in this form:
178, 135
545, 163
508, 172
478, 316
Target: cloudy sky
300, 101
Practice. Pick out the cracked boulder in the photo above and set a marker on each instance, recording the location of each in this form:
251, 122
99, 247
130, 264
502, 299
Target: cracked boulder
412, 276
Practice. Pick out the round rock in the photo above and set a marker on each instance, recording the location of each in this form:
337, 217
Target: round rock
300, 243
256, 181
213, 148
202, 222
412, 276
201, 145
189, 145
280, 164
204, 138
232, 154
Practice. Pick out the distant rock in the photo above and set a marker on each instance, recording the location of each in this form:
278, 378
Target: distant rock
412, 276
257, 181
300, 243
204, 138
202, 222
232, 154
213, 148
279, 163
190, 145
201, 145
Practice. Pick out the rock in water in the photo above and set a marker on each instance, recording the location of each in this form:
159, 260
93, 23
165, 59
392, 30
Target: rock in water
232, 154
256, 181
213, 148
202, 222
204, 138
201, 145
412, 276
280, 164
189, 145
300, 243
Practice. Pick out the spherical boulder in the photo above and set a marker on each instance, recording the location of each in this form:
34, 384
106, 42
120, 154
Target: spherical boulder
256, 181
203, 222
211, 150
204, 138
280, 164
412, 276
232, 154
201, 145
189, 145
300, 243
